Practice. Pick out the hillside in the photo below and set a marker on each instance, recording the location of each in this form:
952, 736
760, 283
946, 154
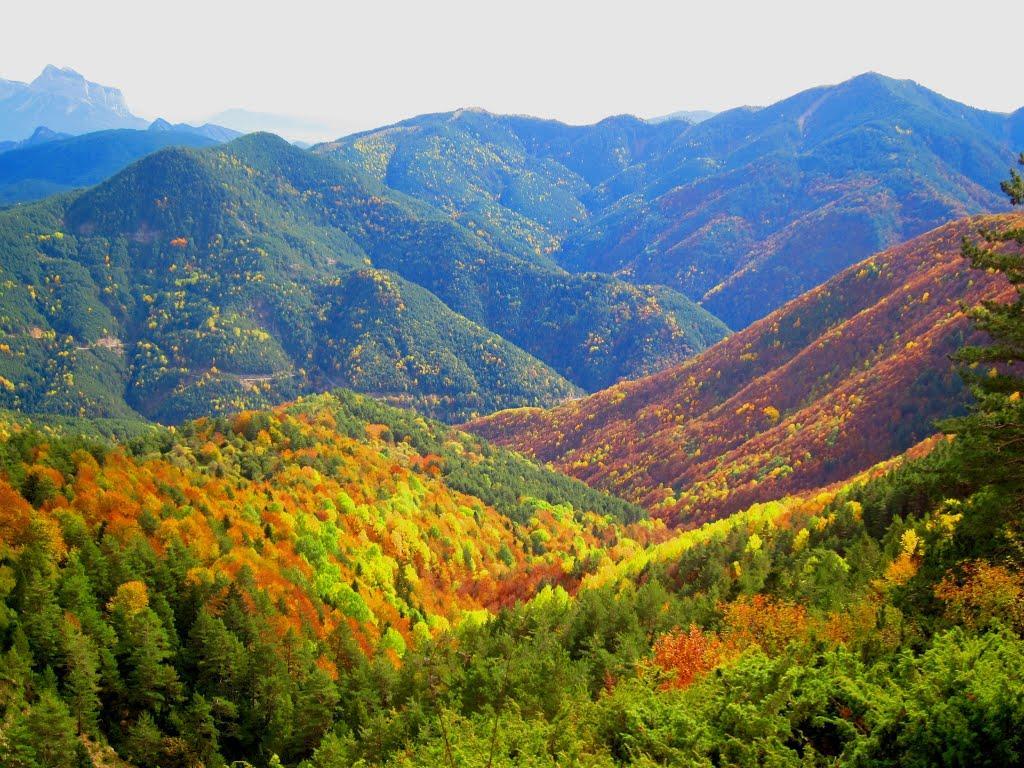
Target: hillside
753, 207
847, 375
524, 184
36, 171
336, 470
245, 274
315, 587
389, 337
741, 212
335, 582
335, 520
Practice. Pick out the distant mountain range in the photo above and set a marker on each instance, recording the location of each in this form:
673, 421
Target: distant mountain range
63, 101
753, 207
41, 135
847, 375
81, 134
760, 551
37, 168
206, 130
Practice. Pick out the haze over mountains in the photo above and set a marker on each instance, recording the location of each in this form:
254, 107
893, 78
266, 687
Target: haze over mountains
60, 103
63, 101
41, 135
303, 130
58, 163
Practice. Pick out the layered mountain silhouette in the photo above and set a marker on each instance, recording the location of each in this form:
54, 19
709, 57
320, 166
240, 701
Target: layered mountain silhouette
757, 550
206, 130
37, 168
40, 135
458, 262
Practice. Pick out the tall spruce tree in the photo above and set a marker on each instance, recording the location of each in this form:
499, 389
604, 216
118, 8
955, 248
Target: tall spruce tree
82, 678
989, 447
51, 732
991, 436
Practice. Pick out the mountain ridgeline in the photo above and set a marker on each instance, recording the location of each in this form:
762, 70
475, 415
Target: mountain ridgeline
36, 170
247, 273
741, 212
459, 263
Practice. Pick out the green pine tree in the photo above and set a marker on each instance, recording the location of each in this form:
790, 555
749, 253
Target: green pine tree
52, 732
34, 599
82, 679
992, 435
199, 730
144, 741
989, 448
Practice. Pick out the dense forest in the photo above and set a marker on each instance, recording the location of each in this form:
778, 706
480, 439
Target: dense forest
847, 375
335, 525
337, 583
240, 276
740, 212
739, 479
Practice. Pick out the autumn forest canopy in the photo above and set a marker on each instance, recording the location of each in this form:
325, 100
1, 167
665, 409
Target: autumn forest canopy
483, 440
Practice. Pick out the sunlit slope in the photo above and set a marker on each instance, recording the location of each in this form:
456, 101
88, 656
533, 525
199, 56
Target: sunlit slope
847, 375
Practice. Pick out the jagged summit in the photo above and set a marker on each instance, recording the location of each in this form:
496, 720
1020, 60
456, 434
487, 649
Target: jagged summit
64, 101
69, 84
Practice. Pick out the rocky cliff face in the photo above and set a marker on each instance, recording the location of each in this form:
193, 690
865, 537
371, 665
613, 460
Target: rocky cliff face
62, 100
68, 84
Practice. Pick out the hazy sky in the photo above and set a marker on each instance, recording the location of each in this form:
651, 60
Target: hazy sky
372, 62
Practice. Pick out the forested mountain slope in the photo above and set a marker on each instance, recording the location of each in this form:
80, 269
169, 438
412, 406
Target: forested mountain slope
522, 183
741, 212
847, 375
244, 274
754, 207
333, 521
339, 583
286, 589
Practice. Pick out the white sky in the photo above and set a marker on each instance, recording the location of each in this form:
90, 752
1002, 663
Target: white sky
372, 62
